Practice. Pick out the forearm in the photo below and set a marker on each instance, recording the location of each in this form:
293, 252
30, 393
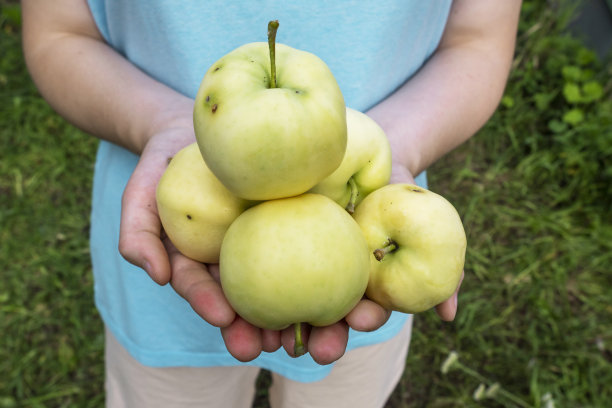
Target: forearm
452, 96
90, 84
440, 108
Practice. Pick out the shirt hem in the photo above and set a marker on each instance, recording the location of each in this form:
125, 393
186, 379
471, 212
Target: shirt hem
267, 361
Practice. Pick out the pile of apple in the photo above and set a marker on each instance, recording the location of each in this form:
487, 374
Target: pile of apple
288, 190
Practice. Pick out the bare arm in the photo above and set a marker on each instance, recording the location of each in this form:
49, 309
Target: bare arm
89, 83
454, 94
457, 90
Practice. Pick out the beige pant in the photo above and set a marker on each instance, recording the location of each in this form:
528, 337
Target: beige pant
363, 377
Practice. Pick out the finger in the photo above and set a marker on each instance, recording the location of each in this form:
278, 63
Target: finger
288, 338
139, 235
327, 344
447, 310
242, 340
271, 340
191, 280
367, 316
214, 271
400, 174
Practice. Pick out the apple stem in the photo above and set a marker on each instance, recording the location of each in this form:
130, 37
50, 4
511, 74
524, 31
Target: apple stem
389, 247
272, 28
298, 347
350, 207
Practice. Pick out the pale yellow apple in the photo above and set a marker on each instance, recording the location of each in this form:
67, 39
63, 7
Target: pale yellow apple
299, 259
264, 141
194, 207
366, 165
417, 247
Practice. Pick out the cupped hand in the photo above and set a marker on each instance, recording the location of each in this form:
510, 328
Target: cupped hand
143, 244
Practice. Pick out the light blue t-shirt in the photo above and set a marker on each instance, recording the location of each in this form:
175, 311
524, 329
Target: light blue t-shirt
371, 46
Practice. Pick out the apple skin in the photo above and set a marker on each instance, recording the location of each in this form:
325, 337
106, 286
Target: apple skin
264, 143
367, 161
194, 207
426, 267
301, 259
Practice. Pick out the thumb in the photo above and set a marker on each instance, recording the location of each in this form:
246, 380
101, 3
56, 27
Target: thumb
140, 230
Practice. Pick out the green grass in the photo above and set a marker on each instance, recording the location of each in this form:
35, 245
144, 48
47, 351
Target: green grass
534, 188
51, 345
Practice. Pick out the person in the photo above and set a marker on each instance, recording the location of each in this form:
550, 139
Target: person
430, 73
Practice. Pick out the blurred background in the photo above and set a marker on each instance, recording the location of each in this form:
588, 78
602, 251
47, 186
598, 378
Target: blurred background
533, 187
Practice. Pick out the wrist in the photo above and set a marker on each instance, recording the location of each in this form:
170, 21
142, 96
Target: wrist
401, 174
172, 115
406, 135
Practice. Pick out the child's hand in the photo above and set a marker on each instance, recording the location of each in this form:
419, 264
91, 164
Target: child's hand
142, 244
448, 309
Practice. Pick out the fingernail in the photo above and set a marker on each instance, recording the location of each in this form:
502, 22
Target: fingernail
455, 300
